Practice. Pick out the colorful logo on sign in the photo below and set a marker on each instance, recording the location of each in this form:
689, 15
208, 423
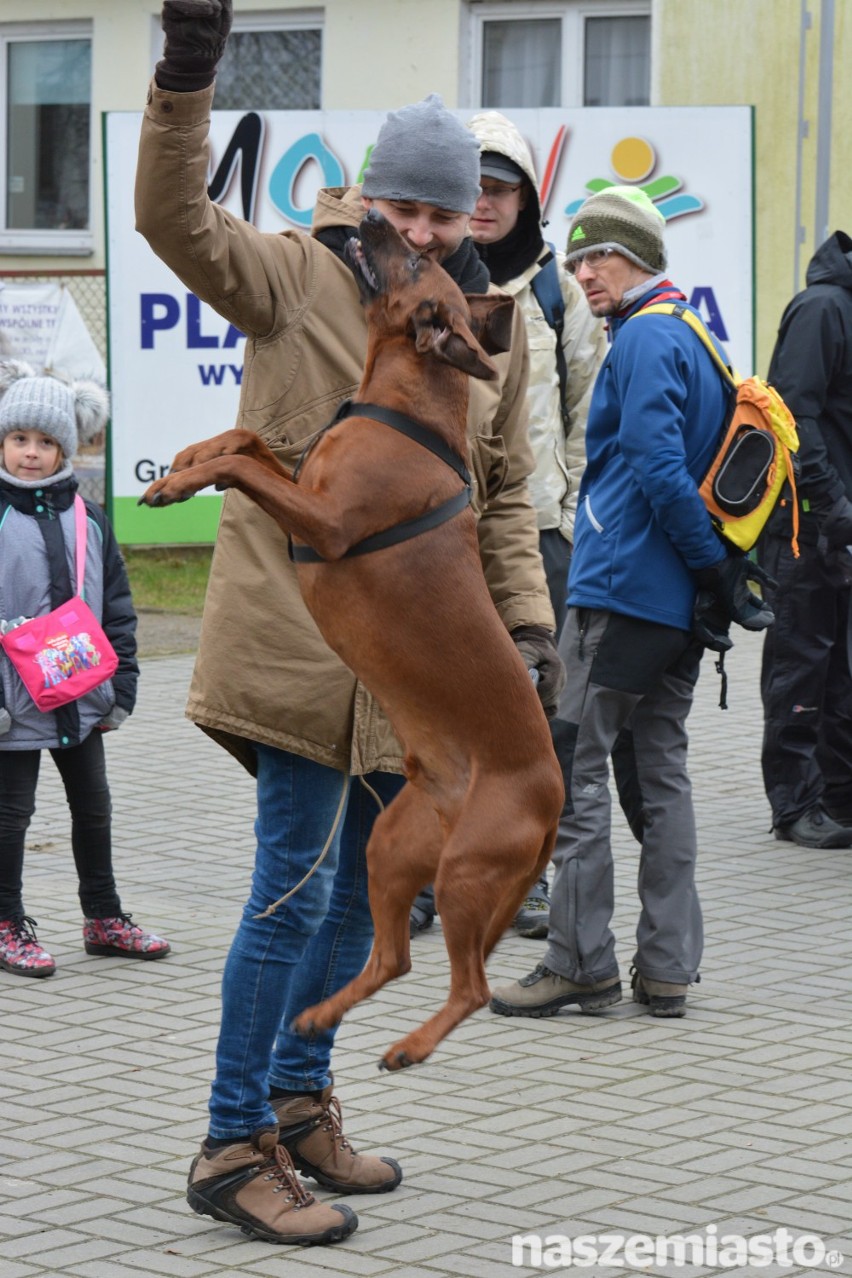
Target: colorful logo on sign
633, 161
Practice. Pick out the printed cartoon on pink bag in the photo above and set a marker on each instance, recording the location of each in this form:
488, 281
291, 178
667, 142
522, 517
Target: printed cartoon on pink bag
64, 654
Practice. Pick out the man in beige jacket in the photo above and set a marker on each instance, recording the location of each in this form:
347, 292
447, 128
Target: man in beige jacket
265, 684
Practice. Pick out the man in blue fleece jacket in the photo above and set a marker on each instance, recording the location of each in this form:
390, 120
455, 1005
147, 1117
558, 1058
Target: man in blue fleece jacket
644, 546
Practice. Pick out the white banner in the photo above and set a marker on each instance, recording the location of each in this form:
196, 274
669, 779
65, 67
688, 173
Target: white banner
176, 366
40, 323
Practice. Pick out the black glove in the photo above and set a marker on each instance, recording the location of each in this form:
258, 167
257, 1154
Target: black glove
836, 562
727, 583
538, 649
710, 624
836, 525
196, 32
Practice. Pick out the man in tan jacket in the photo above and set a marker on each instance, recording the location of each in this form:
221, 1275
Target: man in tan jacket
265, 684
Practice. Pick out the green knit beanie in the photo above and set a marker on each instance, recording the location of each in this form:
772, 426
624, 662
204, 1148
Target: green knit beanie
622, 218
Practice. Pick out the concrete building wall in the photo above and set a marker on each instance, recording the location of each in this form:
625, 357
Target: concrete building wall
711, 52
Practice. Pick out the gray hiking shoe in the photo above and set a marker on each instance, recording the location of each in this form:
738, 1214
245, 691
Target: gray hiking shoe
662, 998
253, 1184
423, 911
543, 992
815, 829
533, 918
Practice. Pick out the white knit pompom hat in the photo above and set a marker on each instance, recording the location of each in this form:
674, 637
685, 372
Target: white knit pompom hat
68, 411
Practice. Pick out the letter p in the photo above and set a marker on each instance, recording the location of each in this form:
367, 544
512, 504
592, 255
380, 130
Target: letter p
156, 311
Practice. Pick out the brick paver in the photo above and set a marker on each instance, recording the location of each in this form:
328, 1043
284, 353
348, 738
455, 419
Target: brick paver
737, 1117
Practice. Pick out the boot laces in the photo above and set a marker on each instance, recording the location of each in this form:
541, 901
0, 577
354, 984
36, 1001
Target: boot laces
280, 1167
25, 929
22, 930
333, 1115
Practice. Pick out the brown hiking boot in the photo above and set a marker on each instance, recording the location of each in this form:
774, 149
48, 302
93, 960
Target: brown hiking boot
312, 1132
253, 1184
662, 998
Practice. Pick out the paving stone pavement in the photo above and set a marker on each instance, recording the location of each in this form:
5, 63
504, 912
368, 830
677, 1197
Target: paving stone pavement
734, 1121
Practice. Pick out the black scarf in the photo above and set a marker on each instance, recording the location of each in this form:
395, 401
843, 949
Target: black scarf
510, 257
464, 265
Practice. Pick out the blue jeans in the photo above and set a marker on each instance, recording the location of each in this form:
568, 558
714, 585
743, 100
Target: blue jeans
312, 946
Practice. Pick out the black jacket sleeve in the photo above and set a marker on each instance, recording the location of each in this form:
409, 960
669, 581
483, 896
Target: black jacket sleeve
804, 364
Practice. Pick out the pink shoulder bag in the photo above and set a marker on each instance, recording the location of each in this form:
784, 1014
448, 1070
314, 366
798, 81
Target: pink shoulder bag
64, 654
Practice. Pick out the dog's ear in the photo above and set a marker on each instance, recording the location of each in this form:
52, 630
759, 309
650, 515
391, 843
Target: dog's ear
491, 320
441, 331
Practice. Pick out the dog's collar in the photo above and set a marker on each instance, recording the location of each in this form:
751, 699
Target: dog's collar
422, 435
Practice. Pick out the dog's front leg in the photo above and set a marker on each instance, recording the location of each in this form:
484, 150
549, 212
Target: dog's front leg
298, 511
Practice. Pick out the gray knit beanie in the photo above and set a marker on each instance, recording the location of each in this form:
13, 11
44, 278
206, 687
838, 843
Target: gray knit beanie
623, 218
424, 153
64, 410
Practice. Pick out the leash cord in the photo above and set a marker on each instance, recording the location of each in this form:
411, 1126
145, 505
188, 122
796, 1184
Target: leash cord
270, 909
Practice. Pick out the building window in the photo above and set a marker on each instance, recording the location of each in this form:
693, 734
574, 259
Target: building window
576, 53
272, 62
617, 61
521, 63
45, 140
272, 70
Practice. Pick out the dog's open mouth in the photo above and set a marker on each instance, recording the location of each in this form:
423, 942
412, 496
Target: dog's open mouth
361, 268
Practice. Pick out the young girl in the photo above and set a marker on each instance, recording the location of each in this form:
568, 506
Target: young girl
39, 422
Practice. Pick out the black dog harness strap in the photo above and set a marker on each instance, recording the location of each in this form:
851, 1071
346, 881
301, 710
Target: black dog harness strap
409, 527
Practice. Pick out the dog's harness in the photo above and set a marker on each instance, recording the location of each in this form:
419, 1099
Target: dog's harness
408, 527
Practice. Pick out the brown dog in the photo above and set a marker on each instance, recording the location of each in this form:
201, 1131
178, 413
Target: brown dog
416, 624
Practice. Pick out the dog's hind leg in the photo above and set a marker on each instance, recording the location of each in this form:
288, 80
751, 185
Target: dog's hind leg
505, 914
402, 857
488, 864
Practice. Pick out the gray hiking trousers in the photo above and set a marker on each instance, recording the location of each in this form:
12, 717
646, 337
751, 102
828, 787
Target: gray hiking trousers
623, 672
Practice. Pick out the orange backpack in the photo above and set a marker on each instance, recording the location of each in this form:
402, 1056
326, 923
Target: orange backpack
755, 454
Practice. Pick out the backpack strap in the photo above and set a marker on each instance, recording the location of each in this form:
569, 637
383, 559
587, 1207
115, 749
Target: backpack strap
548, 294
81, 520
681, 312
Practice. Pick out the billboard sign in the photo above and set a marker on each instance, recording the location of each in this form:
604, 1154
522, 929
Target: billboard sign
176, 366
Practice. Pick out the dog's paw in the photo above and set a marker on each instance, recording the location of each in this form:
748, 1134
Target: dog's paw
303, 1026
165, 492
395, 1060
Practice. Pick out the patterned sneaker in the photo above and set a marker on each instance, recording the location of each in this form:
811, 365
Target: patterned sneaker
20, 951
120, 937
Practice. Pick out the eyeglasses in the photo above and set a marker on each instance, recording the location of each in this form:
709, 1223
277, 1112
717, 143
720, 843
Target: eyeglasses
499, 192
594, 259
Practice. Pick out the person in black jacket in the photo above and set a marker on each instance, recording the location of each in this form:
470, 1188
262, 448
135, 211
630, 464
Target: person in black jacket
805, 680
39, 422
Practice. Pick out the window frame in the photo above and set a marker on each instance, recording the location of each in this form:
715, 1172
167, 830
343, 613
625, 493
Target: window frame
572, 15
31, 241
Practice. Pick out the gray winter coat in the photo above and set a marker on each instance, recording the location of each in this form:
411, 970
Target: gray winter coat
36, 525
